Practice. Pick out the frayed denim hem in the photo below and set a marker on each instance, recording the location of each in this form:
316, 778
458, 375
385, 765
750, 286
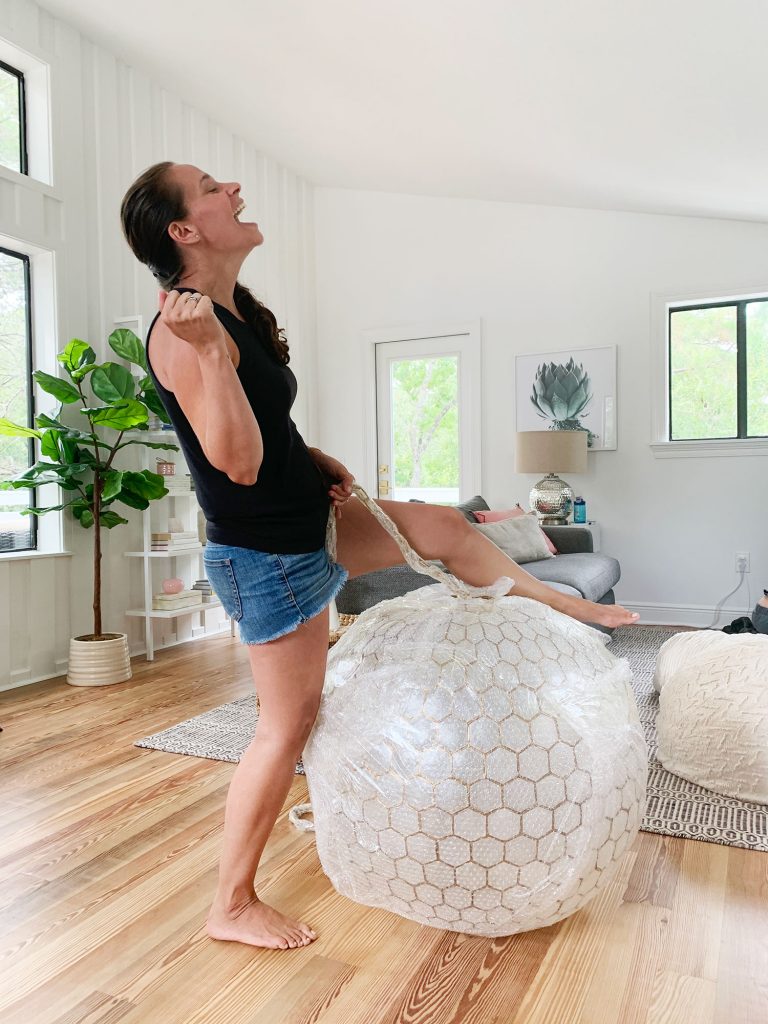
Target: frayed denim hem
338, 583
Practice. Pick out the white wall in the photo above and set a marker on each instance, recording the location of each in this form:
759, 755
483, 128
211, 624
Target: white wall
543, 279
109, 123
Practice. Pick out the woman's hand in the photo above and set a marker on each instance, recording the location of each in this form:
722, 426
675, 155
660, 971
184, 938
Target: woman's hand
190, 316
341, 491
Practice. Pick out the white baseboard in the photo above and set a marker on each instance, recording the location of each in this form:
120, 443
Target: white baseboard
654, 614
16, 679
136, 651
20, 676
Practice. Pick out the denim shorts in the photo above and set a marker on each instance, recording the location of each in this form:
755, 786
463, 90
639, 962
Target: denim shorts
271, 595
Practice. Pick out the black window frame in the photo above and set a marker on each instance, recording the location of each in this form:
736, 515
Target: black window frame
24, 161
741, 365
31, 412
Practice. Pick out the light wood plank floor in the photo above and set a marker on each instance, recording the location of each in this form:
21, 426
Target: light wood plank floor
108, 858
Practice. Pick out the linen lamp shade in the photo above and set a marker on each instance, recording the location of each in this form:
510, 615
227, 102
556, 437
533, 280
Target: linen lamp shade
551, 451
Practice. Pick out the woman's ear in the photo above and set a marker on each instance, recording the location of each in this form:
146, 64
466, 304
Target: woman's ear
182, 233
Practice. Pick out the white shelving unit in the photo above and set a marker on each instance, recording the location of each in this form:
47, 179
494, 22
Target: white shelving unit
180, 505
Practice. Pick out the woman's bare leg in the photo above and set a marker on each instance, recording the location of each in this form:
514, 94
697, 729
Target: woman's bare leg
289, 674
436, 531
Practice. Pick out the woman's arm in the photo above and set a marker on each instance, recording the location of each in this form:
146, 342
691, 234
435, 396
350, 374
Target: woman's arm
207, 387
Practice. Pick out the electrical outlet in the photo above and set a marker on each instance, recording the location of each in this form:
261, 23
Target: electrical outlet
742, 561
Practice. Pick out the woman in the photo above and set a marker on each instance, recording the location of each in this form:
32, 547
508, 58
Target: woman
220, 366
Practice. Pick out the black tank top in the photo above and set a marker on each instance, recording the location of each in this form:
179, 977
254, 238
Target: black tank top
286, 510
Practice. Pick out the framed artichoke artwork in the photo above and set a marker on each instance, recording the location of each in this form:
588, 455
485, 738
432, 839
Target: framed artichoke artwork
571, 390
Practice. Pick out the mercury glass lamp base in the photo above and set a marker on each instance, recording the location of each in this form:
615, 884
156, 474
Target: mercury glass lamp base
552, 501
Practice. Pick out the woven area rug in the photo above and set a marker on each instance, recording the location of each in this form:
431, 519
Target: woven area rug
674, 808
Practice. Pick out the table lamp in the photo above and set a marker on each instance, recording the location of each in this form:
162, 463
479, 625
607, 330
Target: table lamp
551, 452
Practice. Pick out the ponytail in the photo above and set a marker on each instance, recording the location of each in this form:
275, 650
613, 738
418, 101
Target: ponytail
262, 320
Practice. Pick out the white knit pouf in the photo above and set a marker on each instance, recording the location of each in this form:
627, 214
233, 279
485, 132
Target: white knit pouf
713, 711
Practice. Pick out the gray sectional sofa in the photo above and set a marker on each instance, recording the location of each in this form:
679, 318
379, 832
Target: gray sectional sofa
576, 569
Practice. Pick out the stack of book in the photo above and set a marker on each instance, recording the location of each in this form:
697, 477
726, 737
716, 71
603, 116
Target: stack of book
177, 541
173, 602
205, 589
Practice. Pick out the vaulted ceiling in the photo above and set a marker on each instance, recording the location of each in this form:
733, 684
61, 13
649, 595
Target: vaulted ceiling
655, 106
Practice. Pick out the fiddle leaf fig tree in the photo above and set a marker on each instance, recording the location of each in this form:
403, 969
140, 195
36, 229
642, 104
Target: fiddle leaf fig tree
83, 461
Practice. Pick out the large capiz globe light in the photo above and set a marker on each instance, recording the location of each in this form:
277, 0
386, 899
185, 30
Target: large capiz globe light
477, 763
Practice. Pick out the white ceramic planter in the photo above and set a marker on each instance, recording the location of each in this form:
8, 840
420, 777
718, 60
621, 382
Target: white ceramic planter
99, 662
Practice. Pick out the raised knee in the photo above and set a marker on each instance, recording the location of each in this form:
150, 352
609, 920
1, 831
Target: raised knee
456, 527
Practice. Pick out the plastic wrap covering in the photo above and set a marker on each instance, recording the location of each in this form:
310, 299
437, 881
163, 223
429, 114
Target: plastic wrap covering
477, 763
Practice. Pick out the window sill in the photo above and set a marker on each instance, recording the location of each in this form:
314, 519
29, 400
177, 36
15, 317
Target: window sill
26, 181
20, 556
706, 449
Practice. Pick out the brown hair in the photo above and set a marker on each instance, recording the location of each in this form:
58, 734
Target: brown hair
152, 203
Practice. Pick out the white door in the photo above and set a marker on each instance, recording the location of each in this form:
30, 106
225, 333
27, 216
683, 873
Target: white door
428, 417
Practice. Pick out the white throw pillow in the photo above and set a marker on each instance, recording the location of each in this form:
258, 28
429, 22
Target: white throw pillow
519, 538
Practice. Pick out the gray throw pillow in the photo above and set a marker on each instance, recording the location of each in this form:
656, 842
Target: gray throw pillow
476, 504
520, 538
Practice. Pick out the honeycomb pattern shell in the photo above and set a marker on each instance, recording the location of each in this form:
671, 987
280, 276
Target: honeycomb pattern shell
476, 765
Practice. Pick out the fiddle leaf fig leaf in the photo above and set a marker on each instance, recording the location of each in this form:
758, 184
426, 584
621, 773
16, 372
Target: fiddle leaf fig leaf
10, 429
123, 415
76, 356
61, 389
111, 382
128, 346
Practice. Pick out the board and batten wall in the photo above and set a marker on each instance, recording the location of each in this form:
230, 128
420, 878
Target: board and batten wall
547, 279
108, 122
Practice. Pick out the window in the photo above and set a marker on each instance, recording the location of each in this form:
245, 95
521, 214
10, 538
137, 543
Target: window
718, 370
17, 532
13, 129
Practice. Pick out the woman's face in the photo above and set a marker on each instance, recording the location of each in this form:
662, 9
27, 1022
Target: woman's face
213, 213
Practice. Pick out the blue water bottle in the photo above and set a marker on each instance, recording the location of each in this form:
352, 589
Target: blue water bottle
579, 510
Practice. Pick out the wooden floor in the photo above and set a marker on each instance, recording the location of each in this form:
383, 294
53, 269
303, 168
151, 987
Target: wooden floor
108, 860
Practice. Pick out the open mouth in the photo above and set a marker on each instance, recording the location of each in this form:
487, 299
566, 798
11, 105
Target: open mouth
239, 210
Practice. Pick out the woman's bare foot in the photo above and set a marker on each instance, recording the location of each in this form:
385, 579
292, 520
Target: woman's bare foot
257, 924
610, 615
614, 615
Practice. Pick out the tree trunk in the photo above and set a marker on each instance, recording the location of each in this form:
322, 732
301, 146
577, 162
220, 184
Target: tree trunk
97, 483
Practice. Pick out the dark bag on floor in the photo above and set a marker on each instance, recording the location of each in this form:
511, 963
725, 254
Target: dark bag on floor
742, 625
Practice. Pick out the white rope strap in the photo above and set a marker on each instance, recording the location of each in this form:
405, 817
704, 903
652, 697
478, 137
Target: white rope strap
416, 562
297, 817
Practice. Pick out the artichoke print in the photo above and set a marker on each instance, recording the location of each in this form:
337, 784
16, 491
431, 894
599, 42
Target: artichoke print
562, 394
